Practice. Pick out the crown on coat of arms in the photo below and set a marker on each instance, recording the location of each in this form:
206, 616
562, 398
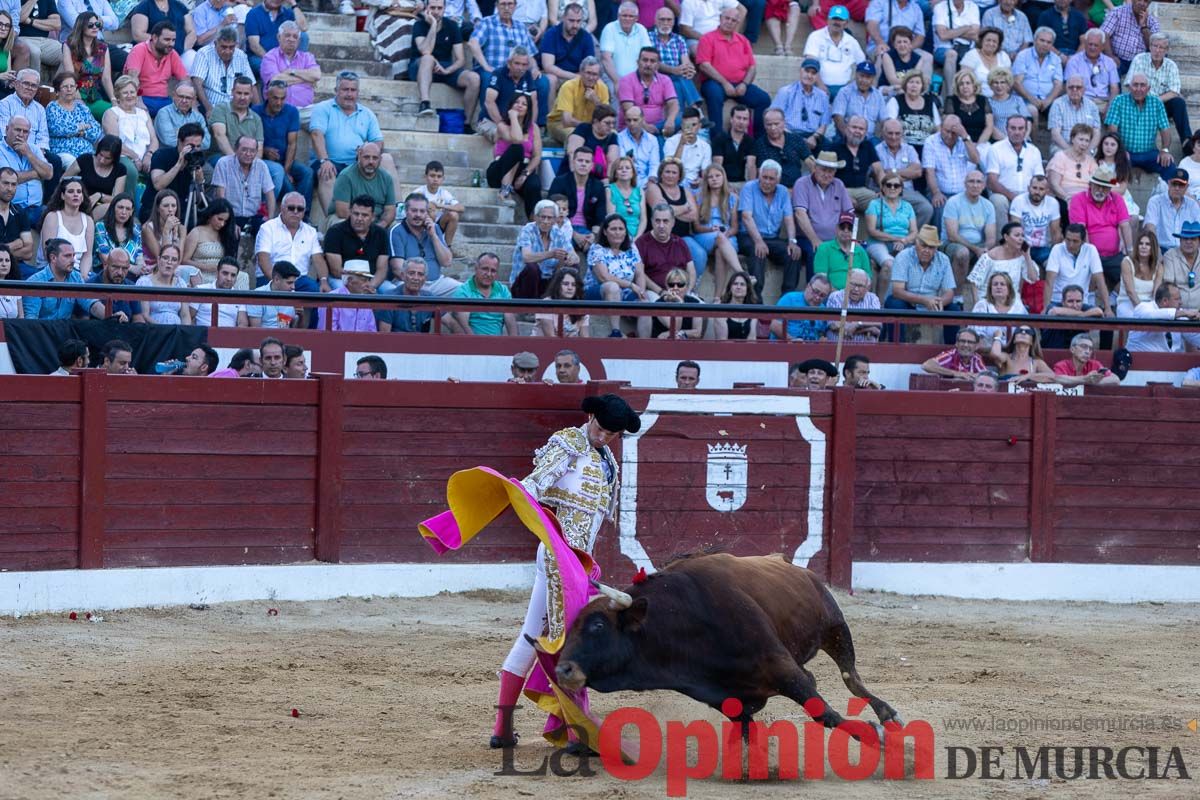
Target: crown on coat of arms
727, 449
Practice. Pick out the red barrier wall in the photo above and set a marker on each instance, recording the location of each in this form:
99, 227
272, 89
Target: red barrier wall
113, 471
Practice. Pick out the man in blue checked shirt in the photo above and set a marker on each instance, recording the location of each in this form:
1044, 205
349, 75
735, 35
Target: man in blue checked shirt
491, 45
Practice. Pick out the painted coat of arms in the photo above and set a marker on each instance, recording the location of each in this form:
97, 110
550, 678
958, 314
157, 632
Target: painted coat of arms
725, 488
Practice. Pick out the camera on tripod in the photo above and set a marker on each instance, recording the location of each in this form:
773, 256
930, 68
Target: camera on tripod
194, 159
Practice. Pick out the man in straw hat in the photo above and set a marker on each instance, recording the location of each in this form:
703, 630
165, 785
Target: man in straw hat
1106, 218
820, 199
922, 279
356, 279
575, 475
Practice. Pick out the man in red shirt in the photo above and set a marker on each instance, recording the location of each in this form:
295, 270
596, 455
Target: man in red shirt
962, 363
726, 59
1081, 369
153, 62
1107, 221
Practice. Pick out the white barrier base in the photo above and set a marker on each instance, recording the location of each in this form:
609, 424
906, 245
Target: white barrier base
1109, 583
92, 589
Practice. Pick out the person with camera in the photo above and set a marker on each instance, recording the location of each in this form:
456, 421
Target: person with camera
176, 168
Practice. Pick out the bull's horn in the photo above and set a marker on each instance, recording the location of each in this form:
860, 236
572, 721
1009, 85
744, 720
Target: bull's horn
619, 598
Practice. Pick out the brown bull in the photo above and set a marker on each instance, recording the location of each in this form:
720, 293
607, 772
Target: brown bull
715, 626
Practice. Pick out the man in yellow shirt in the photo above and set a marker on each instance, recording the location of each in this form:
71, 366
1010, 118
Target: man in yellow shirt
577, 99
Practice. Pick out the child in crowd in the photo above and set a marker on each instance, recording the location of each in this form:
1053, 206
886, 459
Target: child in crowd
444, 207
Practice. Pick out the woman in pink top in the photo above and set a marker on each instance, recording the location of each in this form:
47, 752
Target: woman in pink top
518, 155
1070, 170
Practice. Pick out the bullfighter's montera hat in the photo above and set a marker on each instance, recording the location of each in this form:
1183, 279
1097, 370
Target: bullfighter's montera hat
613, 413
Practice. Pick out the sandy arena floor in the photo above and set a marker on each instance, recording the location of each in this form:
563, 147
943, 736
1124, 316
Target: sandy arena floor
394, 698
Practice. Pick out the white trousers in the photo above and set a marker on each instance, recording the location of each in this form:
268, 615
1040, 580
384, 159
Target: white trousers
522, 655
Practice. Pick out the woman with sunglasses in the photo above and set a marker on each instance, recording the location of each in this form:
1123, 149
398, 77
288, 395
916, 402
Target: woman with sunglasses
1010, 256
68, 216
675, 292
567, 284
891, 225
1004, 102
1141, 273
86, 55
987, 55
1070, 170
1001, 298
625, 196
165, 276
1021, 358
14, 54
739, 291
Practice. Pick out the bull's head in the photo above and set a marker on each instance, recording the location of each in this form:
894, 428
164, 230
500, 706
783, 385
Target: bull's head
598, 645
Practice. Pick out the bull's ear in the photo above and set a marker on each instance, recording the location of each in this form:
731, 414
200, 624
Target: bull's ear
633, 617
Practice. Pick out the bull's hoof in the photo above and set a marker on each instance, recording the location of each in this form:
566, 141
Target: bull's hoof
500, 742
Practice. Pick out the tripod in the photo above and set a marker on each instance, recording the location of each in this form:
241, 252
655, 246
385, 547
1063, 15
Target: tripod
196, 200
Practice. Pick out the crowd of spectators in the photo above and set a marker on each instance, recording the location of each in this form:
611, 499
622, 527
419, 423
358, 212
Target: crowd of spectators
898, 171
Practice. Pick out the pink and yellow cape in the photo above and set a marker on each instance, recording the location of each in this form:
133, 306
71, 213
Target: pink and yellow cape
476, 497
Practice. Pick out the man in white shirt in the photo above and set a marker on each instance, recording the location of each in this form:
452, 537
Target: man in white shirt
1011, 165
283, 279
955, 28
289, 238
1039, 216
1165, 305
688, 147
837, 50
1076, 262
229, 315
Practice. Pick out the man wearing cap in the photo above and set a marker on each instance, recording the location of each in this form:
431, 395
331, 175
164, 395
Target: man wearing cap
805, 108
813, 296
834, 51
883, 15
1011, 164
897, 155
820, 200
836, 257
859, 157
726, 60
1081, 369
1168, 211
857, 296
947, 157
1140, 119
1181, 265
788, 149
815, 374
356, 279
524, 368
768, 228
1103, 212
922, 279
1167, 304
575, 476
955, 29
863, 99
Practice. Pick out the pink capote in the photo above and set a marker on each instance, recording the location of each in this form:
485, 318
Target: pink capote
476, 497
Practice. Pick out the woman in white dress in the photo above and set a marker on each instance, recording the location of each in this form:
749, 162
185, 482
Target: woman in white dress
1010, 256
69, 216
1001, 298
1141, 274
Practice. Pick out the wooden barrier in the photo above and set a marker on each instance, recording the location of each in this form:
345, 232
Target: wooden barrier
120, 471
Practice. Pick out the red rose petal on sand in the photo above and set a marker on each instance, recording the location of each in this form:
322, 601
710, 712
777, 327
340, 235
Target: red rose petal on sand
295, 712
72, 615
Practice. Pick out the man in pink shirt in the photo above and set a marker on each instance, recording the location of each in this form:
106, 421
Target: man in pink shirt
154, 62
652, 92
1107, 221
356, 279
295, 67
726, 59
